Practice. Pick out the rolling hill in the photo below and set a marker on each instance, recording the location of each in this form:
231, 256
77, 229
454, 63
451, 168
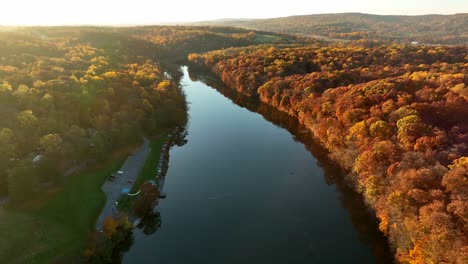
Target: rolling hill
427, 29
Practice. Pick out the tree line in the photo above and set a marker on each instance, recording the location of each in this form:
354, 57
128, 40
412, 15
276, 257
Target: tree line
425, 29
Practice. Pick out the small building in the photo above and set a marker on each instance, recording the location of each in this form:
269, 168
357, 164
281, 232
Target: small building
37, 158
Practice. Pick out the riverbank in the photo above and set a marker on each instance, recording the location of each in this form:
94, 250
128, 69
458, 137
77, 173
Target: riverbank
142, 165
116, 182
154, 168
159, 147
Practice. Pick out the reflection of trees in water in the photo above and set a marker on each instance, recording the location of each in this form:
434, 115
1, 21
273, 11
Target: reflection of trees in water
179, 138
149, 197
146, 203
122, 247
150, 223
363, 220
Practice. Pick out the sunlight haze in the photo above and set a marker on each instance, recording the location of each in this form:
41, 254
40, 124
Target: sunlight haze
121, 12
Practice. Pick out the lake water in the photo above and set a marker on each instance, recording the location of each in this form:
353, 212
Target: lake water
246, 190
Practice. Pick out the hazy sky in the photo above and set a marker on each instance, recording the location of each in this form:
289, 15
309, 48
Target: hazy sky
65, 12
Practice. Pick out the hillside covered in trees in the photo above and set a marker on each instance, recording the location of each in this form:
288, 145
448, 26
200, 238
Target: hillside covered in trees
428, 29
392, 115
176, 42
66, 98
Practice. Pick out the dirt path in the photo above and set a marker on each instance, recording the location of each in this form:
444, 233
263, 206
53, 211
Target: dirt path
131, 168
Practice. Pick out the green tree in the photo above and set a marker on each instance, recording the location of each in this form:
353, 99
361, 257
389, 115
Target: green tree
51, 145
149, 195
27, 119
7, 152
22, 182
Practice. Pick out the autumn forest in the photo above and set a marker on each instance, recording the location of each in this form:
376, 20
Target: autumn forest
389, 112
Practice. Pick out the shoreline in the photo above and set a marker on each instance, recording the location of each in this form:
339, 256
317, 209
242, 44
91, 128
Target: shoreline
147, 163
131, 169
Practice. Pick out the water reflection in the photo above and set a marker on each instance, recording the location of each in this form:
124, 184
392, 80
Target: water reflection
145, 211
150, 223
363, 220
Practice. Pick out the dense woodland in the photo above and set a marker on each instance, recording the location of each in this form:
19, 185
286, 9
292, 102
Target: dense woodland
176, 42
429, 29
394, 116
65, 100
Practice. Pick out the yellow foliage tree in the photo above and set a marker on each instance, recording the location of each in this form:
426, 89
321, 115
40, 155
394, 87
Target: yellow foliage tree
110, 226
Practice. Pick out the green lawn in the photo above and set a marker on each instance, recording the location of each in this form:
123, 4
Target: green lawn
148, 171
61, 225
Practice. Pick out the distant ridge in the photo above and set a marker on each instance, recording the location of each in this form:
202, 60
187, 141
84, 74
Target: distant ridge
430, 29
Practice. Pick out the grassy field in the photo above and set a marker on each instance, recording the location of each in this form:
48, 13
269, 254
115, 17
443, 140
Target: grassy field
57, 223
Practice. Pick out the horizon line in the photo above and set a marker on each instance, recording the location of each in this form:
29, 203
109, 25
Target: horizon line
173, 23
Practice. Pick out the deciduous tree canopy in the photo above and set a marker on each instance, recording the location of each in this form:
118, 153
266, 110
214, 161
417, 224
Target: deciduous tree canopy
71, 95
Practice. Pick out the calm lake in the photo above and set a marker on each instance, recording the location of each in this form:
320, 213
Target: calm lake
248, 190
